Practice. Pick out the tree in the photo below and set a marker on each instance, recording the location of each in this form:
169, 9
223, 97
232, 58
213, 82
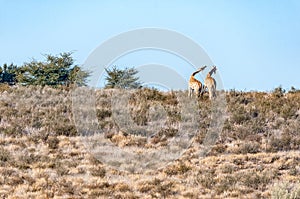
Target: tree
118, 78
56, 70
279, 91
8, 74
77, 76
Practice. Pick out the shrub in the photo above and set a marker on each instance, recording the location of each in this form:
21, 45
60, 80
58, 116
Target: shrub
294, 90
5, 155
240, 115
118, 78
248, 147
4, 87
226, 183
257, 180
278, 92
52, 142
285, 190
103, 113
98, 171
284, 142
177, 169
206, 178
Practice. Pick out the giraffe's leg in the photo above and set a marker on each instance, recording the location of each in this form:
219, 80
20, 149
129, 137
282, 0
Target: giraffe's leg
209, 92
214, 95
197, 92
202, 91
215, 92
191, 92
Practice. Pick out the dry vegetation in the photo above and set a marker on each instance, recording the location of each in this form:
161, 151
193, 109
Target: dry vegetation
42, 156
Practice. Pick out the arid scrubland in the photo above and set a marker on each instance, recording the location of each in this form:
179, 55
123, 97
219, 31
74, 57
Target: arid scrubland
42, 155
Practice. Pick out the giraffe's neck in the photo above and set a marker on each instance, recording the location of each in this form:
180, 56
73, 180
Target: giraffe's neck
194, 73
211, 72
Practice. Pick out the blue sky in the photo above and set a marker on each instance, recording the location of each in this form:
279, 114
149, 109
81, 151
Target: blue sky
255, 44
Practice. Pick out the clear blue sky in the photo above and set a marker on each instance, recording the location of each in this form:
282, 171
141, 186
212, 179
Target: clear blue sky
255, 44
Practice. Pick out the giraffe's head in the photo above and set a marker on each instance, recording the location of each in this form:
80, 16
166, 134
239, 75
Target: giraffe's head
214, 69
202, 68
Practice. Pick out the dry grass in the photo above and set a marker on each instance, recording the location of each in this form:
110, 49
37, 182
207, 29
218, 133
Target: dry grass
42, 156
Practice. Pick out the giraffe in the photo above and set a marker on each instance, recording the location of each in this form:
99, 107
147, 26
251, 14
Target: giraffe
195, 85
210, 83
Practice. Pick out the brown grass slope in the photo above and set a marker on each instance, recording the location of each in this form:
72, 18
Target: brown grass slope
255, 156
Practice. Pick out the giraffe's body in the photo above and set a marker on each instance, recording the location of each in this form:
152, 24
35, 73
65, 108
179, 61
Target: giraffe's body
195, 86
210, 83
